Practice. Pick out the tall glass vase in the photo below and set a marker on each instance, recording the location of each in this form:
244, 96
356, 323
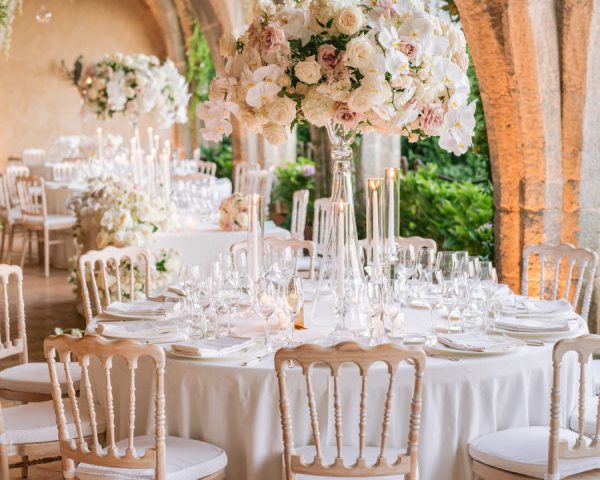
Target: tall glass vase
341, 140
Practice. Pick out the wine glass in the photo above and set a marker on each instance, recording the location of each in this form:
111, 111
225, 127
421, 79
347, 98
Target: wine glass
489, 284
447, 264
405, 262
392, 304
462, 261
372, 306
425, 262
266, 304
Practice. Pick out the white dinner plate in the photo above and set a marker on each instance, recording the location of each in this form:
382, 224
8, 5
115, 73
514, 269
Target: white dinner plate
442, 349
251, 351
574, 329
168, 337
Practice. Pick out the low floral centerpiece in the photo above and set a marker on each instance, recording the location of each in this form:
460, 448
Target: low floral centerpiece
233, 213
132, 85
110, 212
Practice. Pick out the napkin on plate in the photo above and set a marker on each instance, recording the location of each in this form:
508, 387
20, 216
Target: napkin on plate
475, 343
138, 307
213, 347
533, 325
136, 329
529, 307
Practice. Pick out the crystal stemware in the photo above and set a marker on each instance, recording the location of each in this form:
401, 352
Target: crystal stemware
425, 262
294, 304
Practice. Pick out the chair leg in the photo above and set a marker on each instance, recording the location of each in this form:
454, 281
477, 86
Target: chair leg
26, 240
30, 233
11, 240
68, 469
25, 467
40, 247
4, 473
4, 228
46, 252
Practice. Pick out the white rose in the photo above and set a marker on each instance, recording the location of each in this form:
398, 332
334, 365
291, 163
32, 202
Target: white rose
359, 53
227, 45
349, 20
274, 134
317, 108
282, 111
308, 71
361, 100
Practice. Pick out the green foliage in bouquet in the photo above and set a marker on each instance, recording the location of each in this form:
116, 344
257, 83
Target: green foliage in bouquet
292, 176
222, 155
457, 215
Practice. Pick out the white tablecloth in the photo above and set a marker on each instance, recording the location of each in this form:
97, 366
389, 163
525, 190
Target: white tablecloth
236, 407
207, 241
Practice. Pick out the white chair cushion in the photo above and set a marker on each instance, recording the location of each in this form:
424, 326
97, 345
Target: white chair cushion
350, 454
36, 422
186, 460
53, 222
525, 451
35, 377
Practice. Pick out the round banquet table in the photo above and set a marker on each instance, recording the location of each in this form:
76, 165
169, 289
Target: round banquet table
236, 407
206, 240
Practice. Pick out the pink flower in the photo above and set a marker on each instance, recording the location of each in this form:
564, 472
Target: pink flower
328, 58
272, 38
409, 49
344, 116
432, 119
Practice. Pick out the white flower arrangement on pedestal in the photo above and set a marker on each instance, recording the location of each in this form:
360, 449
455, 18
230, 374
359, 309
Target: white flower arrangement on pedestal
369, 65
132, 85
109, 212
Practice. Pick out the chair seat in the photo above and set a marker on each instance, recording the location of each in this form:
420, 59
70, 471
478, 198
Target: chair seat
350, 454
36, 423
186, 460
53, 222
11, 215
35, 378
525, 451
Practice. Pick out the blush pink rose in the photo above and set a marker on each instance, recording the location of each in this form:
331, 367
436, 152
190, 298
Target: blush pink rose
409, 49
344, 116
328, 58
432, 119
271, 39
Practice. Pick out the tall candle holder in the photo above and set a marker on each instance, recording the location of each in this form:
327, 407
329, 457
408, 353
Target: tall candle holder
375, 246
346, 285
391, 210
256, 236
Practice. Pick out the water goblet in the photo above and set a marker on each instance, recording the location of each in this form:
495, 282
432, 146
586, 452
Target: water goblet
425, 262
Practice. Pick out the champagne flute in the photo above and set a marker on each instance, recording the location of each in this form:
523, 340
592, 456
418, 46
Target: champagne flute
294, 303
425, 262
447, 264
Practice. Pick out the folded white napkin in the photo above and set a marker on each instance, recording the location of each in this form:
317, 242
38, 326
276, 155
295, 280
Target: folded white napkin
136, 329
213, 347
137, 307
528, 307
475, 343
532, 325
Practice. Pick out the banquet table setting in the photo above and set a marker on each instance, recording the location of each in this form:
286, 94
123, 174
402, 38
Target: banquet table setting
481, 375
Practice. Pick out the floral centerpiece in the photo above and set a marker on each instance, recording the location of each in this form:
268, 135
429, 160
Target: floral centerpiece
233, 212
372, 65
109, 212
132, 85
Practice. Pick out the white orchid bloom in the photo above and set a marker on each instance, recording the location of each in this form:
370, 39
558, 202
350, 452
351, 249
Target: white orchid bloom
449, 74
396, 63
388, 38
418, 28
262, 93
454, 142
458, 129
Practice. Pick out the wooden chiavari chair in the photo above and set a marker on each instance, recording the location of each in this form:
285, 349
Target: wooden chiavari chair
11, 219
332, 461
12, 173
36, 219
207, 168
299, 208
239, 170
98, 269
572, 267
64, 172
417, 243
298, 247
156, 456
321, 218
541, 452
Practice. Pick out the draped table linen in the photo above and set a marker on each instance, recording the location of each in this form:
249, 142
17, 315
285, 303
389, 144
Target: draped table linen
236, 407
